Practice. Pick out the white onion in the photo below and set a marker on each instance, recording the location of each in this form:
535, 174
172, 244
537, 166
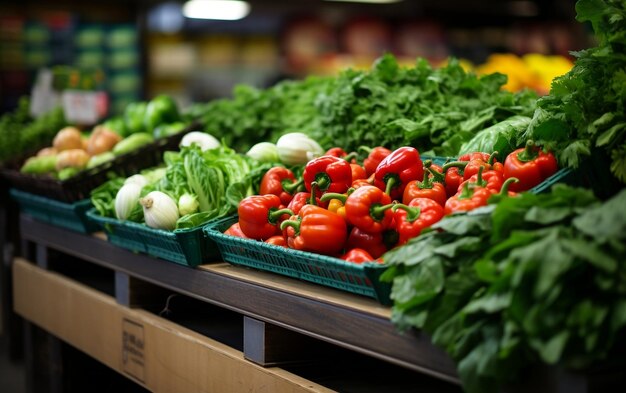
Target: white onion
126, 200
159, 210
297, 148
202, 139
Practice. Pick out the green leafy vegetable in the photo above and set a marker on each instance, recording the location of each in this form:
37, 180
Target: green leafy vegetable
585, 113
434, 110
501, 137
20, 133
533, 279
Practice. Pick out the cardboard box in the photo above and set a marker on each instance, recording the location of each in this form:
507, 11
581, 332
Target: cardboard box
154, 352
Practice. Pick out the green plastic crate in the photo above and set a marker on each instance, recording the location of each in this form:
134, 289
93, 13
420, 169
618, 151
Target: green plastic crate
71, 216
362, 279
187, 247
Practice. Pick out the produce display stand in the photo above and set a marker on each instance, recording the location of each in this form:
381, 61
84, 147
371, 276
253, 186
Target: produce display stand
283, 328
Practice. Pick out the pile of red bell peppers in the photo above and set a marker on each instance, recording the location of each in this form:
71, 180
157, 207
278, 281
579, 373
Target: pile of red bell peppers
358, 212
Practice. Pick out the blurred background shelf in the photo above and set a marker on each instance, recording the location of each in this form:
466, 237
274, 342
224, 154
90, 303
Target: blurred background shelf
147, 47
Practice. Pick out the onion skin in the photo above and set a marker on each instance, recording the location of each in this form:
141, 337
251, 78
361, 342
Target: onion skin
47, 151
126, 199
73, 158
67, 138
159, 210
102, 140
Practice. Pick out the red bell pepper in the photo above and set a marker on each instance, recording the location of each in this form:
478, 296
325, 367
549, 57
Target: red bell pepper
336, 152
317, 230
453, 176
397, 169
259, 216
489, 179
363, 182
301, 199
471, 197
368, 209
468, 199
340, 153
277, 240
530, 165
426, 188
281, 182
374, 157
476, 160
373, 243
327, 173
419, 214
235, 230
357, 255
358, 172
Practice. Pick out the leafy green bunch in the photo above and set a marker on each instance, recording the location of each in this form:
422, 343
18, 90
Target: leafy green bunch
536, 279
585, 112
255, 115
20, 133
435, 110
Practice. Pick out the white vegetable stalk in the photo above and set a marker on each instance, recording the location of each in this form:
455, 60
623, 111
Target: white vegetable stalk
126, 200
297, 148
264, 152
159, 210
187, 204
202, 139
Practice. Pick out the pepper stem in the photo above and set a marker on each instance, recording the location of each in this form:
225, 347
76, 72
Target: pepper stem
529, 153
504, 191
366, 149
479, 177
412, 213
437, 177
378, 211
492, 158
455, 164
295, 224
466, 193
334, 195
322, 180
291, 187
391, 182
274, 214
350, 156
314, 187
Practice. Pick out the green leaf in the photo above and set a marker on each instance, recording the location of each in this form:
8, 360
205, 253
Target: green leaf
618, 164
571, 155
423, 282
611, 135
548, 215
590, 253
618, 317
490, 303
604, 221
552, 350
463, 244
473, 367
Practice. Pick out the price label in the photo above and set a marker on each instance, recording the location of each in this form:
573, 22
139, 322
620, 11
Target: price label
84, 107
133, 358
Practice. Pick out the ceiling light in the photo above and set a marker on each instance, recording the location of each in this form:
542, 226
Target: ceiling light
367, 1
216, 9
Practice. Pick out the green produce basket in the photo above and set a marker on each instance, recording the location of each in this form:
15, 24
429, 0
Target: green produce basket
184, 246
362, 279
71, 216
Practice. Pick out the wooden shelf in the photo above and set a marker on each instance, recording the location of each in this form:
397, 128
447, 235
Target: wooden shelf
350, 321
